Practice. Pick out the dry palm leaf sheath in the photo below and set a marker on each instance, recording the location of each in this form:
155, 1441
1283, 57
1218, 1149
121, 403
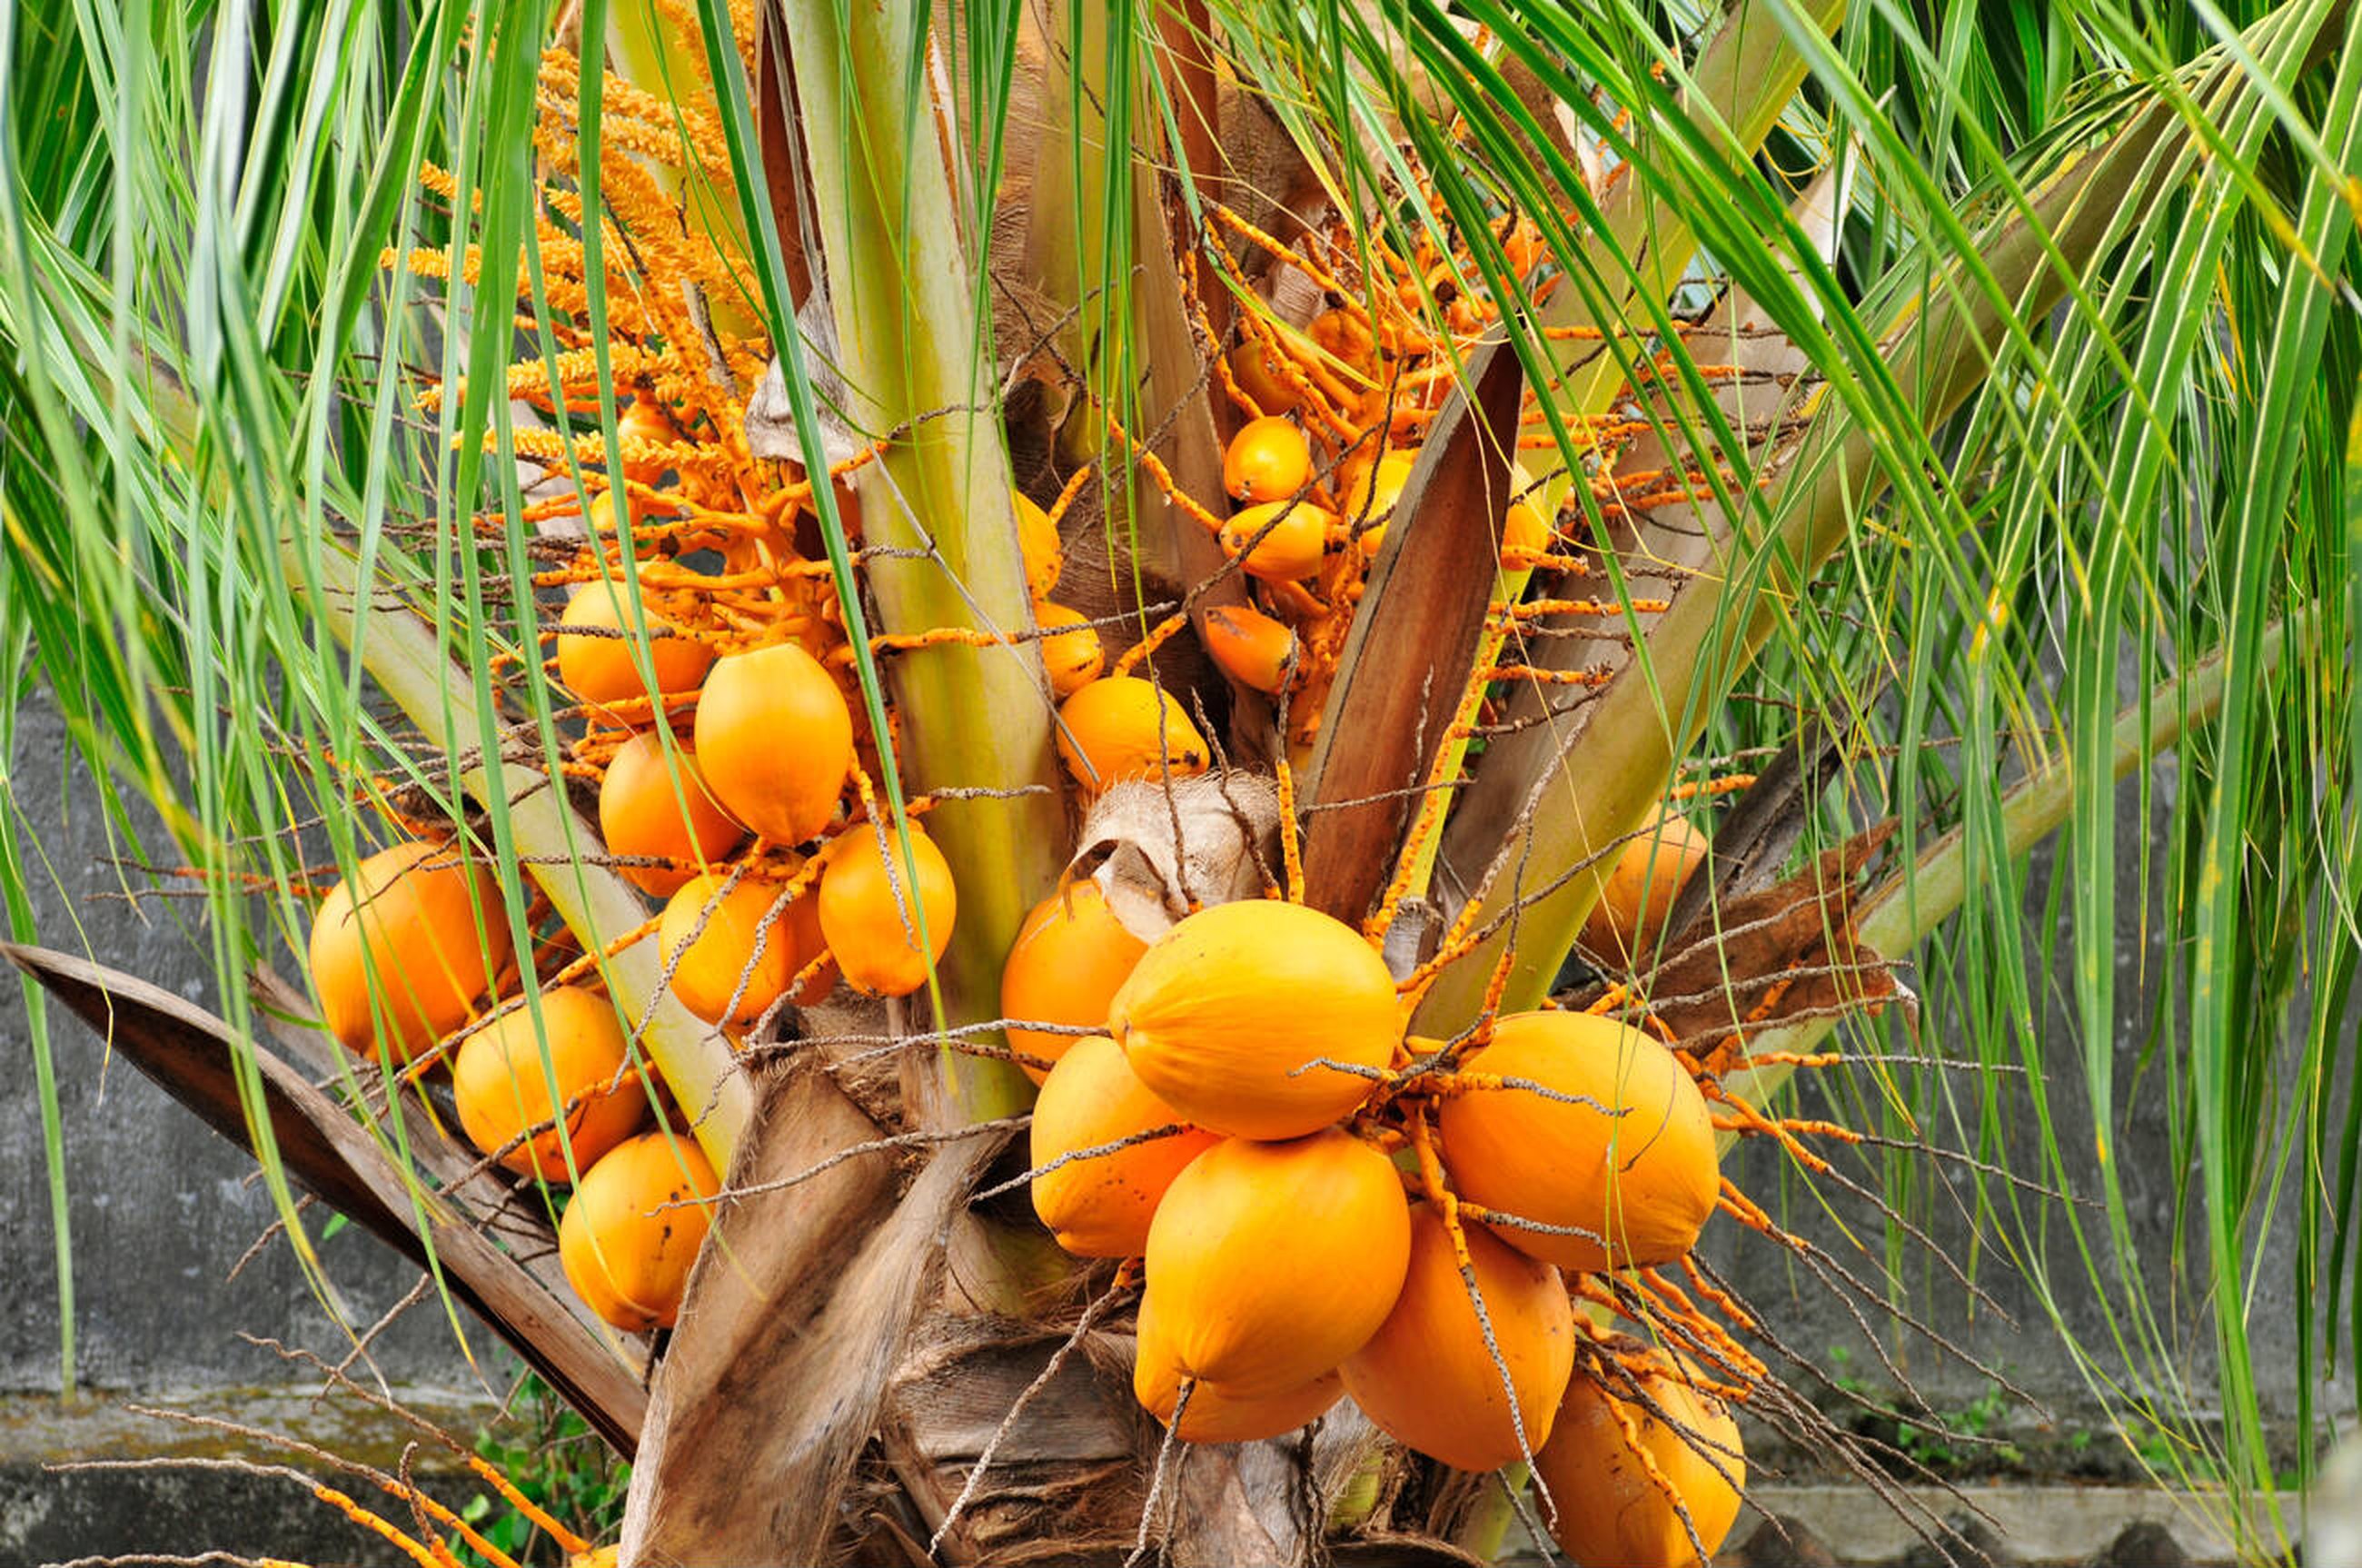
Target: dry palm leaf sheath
1096, 890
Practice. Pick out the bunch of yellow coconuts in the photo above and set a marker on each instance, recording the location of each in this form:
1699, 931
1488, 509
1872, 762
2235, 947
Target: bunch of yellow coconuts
1243, 1125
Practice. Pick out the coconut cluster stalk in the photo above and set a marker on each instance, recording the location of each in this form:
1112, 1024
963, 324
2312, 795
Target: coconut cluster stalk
914, 359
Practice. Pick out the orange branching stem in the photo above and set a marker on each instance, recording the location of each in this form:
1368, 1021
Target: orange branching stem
425, 1557
1291, 846
1677, 1304
567, 1540
1721, 1299
1728, 784
1163, 477
1158, 636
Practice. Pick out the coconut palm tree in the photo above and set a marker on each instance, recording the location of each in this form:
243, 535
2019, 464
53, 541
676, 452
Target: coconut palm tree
1875, 431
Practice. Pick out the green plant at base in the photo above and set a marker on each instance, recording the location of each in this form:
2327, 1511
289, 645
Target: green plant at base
559, 1464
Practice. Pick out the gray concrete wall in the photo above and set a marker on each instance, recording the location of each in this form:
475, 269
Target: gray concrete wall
161, 1206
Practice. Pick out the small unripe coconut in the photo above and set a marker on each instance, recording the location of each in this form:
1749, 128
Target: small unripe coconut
722, 961
1256, 368
1252, 649
633, 1228
1101, 1205
1268, 1264
775, 739
1643, 1179
1037, 541
1638, 898
1609, 1509
1531, 522
1426, 1375
871, 922
502, 1088
1217, 1414
1125, 727
1223, 1010
1290, 549
1070, 957
1370, 501
641, 812
1346, 335
408, 916
1268, 460
596, 647
647, 424
1071, 654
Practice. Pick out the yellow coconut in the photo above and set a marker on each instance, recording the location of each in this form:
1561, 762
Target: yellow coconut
1226, 1014
502, 1085
1101, 1205
1527, 525
1609, 1508
1650, 873
1370, 501
1268, 460
642, 813
775, 739
634, 1225
1256, 368
408, 916
1037, 541
1426, 1375
645, 423
870, 920
598, 647
1252, 649
1268, 1264
1070, 957
1070, 647
1216, 1413
719, 961
1125, 727
1643, 1180
1281, 541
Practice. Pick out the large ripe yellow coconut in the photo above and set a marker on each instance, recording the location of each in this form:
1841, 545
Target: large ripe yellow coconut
1070, 957
719, 960
775, 739
633, 1228
1643, 1180
598, 643
502, 1088
1216, 1413
641, 814
1125, 727
1426, 1375
1638, 898
1224, 1009
1268, 1264
870, 919
407, 915
1099, 1206
1608, 1508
